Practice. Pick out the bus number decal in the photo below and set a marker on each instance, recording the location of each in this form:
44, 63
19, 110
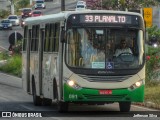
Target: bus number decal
72, 96
89, 18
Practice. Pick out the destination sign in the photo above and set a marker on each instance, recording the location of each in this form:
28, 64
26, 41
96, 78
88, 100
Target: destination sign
121, 19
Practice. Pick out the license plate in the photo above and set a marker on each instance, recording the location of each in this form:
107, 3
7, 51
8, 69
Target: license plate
105, 92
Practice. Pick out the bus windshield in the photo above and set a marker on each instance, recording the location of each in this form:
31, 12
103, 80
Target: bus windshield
96, 48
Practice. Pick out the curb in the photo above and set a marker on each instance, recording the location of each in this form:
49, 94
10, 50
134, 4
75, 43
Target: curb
148, 104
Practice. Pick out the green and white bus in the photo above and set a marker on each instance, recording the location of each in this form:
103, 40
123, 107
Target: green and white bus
68, 57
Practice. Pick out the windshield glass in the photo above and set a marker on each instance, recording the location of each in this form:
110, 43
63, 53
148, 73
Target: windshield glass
39, 2
80, 6
104, 48
37, 12
27, 10
5, 21
12, 17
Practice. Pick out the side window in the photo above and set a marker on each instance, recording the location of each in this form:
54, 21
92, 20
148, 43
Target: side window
56, 37
52, 31
46, 42
25, 38
33, 38
37, 38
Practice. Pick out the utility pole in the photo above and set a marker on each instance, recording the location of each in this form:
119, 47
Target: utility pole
30, 2
62, 5
12, 7
101, 4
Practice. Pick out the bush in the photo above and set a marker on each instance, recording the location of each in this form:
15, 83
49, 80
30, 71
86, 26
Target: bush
152, 64
4, 55
18, 47
4, 13
13, 65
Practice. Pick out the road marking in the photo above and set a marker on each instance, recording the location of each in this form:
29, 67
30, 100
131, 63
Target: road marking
144, 108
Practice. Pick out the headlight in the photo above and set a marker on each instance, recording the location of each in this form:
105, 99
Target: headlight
136, 84
10, 25
155, 45
23, 23
42, 5
73, 84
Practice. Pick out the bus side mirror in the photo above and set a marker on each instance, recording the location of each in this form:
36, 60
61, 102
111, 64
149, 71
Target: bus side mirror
63, 34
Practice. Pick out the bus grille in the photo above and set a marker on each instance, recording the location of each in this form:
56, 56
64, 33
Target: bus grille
105, 78
104, 97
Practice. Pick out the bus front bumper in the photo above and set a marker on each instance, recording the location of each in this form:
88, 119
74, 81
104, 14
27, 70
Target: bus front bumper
94, 95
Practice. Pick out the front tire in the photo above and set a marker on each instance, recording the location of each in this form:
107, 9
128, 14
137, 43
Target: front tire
47, 102
124, 106
62, 107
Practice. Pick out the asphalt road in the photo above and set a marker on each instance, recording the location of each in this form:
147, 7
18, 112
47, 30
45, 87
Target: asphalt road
13, 98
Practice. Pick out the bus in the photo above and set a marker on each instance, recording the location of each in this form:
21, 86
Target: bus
69, 58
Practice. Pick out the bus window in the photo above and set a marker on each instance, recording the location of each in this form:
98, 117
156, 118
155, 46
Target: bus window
33, 38
52, 47
37, 38
25, 38
56, 37
46, 42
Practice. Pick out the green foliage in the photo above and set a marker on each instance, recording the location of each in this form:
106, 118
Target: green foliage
4, 55
152, 93
129, 4
19, 4
13, 66
18, 47
22, 3
152, 64
4, 13
154, 31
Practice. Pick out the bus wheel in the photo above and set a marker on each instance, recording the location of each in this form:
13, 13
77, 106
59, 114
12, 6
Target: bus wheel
124, 106
47, 102
62, 107
36, 99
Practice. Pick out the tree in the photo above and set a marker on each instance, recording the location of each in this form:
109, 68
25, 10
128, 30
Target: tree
154, 31
129, 4
22, 3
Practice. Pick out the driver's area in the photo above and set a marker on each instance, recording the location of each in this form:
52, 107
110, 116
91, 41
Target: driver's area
100, 48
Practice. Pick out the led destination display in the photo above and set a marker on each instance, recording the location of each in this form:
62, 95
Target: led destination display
117, 19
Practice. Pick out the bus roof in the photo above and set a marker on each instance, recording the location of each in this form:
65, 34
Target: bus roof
64, 14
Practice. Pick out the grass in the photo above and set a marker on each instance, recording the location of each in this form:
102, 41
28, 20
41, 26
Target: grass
152, 93
13, 65
4, 56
